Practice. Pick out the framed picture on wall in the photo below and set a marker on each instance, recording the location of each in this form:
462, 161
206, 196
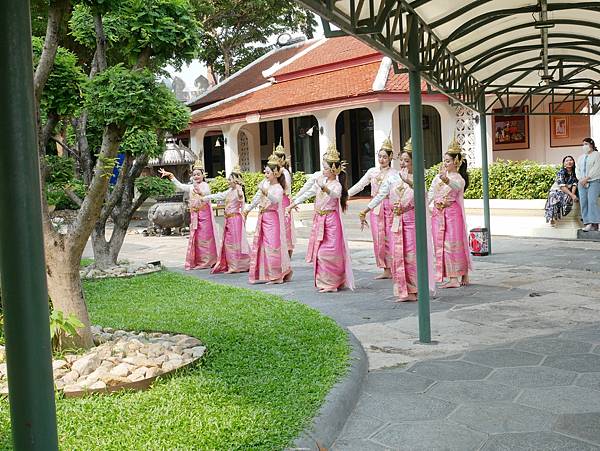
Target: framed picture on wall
511, 132
561, 127
566, 129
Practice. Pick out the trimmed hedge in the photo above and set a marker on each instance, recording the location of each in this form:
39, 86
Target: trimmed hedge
251, 181
508, 180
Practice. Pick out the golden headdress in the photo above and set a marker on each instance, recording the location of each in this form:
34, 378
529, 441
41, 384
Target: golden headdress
236, 175
274, 160
455, 151
387, 146
279, 151
408, 146
198, 165
332, 156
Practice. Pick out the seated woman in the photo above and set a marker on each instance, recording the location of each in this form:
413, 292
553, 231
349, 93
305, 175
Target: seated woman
563, 193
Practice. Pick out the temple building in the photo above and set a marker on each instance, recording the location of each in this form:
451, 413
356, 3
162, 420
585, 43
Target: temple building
340, 90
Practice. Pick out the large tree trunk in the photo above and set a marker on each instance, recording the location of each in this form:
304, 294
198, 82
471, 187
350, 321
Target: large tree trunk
120, 206
64, 288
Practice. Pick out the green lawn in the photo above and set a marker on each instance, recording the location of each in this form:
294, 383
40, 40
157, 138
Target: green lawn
269, 365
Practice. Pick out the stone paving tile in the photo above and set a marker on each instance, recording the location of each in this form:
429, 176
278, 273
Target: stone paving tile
532, 376
357, 445
361, 427
552, 346
585, 426
582, 363
561, 400
536, 441
391, 381
589, 380
449, 370
430, 436
590, 335
596, 349
396, 407
500, 358
461, 392
501, 417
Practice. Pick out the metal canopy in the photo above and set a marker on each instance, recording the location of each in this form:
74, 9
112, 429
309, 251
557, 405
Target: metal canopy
514, 50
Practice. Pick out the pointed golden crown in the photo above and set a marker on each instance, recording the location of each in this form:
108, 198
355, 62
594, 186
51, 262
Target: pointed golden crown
274, 160
280, 147
199, 164
387, 145
408, 146
454, 148
332, 155
236, 175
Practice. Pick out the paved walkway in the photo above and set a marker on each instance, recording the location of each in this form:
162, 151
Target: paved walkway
517, 365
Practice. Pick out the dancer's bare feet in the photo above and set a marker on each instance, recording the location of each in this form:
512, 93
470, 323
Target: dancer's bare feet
387, 274
328, 290
275, 282
465, 280
410, 298
452, 283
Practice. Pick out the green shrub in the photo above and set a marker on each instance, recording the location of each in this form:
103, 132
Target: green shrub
251, 181
151, 186
55, 194
59, 170
508, 180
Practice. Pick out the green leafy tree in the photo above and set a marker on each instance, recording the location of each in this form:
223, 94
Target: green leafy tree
235, 32
105, 88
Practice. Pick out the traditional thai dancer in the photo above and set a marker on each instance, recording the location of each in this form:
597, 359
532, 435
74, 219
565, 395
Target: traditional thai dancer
327, 246
202, 244
381, 217
446, 201
290, 232
234, 251
398, 188
269, 258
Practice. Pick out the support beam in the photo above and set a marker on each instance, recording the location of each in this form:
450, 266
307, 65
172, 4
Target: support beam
485, 177
416, 132
22, 268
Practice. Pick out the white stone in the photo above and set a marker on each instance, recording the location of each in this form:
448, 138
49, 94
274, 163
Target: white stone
99, 385
57, 364
198, 351
2, 368
72, 388
121, 370
171, 365
71, 377
136, 377
152, 372
189, 342
86, 364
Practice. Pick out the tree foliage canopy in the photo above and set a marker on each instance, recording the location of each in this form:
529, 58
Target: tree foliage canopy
237, 31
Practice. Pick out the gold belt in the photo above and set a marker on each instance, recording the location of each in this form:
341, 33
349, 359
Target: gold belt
324, 212
197, 209
231, 215
399, 210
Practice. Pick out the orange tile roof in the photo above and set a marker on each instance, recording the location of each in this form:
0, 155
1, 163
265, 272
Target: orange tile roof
248, 77
334, 50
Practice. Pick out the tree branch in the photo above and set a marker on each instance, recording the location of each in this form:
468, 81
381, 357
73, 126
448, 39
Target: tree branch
143, 58
74, 197
66, 147
56, 11
46, 133
92, 204
100, 62
117, 191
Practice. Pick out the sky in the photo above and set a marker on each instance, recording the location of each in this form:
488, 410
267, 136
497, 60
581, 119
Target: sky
189, 72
